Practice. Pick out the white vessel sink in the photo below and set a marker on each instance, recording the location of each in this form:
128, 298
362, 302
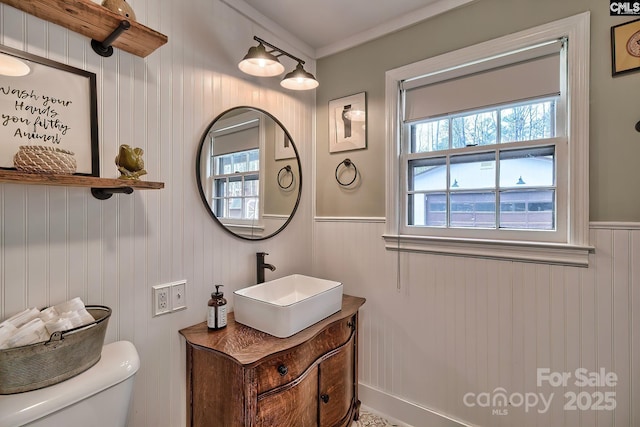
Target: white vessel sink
285, 306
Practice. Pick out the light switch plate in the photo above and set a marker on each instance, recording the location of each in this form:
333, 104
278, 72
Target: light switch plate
179, 295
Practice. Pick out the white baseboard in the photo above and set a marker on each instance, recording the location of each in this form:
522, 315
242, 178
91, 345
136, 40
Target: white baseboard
402, 412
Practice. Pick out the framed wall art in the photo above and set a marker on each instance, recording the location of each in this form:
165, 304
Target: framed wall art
625, 47
51, 105
348, 123
284, 149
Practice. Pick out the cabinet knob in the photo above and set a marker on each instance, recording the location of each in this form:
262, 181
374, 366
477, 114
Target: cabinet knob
282, 370
324, 398
351, 324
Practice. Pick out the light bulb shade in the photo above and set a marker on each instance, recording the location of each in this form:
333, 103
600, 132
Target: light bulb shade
259, 62
12, 66
299, 79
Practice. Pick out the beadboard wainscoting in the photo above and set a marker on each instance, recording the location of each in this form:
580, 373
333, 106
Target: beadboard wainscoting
57, 243
439, 331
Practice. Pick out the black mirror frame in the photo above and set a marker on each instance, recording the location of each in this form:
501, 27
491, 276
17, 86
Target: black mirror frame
199, 179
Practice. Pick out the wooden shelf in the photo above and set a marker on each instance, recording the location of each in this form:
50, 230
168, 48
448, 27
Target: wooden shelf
94, 21
101, 188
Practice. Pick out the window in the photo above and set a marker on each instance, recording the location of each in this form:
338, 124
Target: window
488, 148
505, 164
234, 181
236, 185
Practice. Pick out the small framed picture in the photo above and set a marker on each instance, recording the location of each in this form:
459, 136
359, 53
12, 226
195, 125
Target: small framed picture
625, 47
348, 123
284, 148
49, 105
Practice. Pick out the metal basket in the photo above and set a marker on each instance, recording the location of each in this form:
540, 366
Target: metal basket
66, 354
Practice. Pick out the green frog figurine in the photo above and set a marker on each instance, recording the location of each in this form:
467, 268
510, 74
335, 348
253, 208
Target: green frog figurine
129, 162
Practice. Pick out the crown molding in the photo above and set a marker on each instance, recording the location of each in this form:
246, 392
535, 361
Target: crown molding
272, 27
391, 26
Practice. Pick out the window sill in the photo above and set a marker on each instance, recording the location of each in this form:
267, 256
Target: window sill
548, 253
246, 230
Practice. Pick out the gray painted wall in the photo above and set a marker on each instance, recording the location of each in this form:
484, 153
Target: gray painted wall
614, 109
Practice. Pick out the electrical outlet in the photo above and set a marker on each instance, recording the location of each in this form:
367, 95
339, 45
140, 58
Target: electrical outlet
161, 299
179, 295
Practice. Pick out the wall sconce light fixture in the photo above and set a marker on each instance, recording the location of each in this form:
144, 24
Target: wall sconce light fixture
262, 63
12, 66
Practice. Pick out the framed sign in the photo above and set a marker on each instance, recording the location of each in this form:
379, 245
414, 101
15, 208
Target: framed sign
625, 47
54, 105
348, 123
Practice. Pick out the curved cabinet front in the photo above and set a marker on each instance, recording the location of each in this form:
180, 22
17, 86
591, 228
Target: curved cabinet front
337, 387
239, 376
294, 406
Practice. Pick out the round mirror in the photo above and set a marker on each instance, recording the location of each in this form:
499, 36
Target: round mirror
248, 173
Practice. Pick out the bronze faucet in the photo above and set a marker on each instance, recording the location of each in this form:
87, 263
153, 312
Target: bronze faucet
261, 265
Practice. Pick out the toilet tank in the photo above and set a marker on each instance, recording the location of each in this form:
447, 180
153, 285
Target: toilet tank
98, 397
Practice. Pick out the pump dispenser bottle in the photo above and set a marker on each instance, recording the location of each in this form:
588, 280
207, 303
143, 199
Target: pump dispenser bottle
217, 316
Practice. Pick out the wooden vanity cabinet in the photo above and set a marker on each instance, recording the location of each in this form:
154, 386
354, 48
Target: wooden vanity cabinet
241, 377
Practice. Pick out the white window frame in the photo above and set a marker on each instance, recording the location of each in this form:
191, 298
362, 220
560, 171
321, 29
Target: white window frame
244, 227
573, 247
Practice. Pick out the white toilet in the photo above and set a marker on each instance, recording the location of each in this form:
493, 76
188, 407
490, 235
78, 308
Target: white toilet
98, 397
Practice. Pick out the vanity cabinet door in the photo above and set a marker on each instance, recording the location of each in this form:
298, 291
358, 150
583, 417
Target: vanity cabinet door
336, 387
295, 404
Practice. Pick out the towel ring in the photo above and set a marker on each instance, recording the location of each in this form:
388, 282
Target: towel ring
347, 163
286, 169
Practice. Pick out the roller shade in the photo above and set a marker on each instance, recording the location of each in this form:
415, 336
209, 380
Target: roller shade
232, 142
523, 75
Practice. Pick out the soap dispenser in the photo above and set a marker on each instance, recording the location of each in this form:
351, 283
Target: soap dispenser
217, 317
